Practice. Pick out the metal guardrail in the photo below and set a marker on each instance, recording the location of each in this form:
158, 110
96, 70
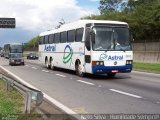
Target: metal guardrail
30, 94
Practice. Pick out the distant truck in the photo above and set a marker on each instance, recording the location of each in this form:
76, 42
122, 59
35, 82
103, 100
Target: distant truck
14, 52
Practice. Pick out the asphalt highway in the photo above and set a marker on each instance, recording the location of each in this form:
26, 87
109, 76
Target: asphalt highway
136, 92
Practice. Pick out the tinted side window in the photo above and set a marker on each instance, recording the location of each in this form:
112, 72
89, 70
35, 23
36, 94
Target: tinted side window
71, 36
63, 37
41, 40
51, 38
79, 35
46, 39
57, 38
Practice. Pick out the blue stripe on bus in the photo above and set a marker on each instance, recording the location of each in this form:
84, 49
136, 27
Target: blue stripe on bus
108, 69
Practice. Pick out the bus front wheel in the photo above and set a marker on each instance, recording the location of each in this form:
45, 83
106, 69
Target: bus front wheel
79, 70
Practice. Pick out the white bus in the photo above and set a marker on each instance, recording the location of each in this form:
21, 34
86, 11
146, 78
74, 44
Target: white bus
88, 46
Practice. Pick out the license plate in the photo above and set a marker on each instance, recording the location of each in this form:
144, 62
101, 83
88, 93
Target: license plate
114, 71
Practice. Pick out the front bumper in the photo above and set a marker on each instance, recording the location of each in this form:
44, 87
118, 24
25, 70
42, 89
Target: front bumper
109, 69
16, 61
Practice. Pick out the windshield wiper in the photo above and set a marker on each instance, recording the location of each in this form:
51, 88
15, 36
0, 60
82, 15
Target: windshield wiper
122, 50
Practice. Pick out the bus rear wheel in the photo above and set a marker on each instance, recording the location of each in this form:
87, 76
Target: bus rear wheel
52, 64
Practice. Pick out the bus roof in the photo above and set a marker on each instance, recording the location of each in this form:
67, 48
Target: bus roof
79, 24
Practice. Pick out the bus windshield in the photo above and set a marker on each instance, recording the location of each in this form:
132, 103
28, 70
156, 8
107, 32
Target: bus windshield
111, 38
16, 49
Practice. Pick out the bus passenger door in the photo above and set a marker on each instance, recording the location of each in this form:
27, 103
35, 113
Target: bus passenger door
88, 67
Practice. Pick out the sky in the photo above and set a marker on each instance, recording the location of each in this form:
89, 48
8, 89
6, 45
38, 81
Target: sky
36, 16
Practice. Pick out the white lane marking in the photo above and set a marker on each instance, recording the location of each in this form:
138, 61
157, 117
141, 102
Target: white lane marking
45, 71
34, 68
125, 93
60, 75
27, 65
147, 73
52, 100
58, 104
99, 85
158, 102
85, 82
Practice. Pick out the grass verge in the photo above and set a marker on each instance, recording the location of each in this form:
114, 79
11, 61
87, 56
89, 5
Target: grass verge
148, 67
12, 105
11, 102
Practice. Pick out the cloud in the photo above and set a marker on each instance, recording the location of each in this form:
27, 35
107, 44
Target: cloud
41, 15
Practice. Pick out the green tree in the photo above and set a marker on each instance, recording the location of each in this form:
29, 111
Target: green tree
32, 43
144, 19
143, 16
107, 6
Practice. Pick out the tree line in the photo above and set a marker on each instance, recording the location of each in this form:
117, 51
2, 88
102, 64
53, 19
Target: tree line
32, 43
143, 16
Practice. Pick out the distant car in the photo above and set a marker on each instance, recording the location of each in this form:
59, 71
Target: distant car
33, 56
2, 53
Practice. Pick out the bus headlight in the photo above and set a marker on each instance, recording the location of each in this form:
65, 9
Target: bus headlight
101, 63
97, 63
129, 62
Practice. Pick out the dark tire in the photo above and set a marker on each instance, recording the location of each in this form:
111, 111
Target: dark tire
47, 64
111, 75
10, 64
22, 63
52, 64
78, 69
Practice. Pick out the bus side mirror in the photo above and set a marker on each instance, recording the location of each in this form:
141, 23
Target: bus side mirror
92, 36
